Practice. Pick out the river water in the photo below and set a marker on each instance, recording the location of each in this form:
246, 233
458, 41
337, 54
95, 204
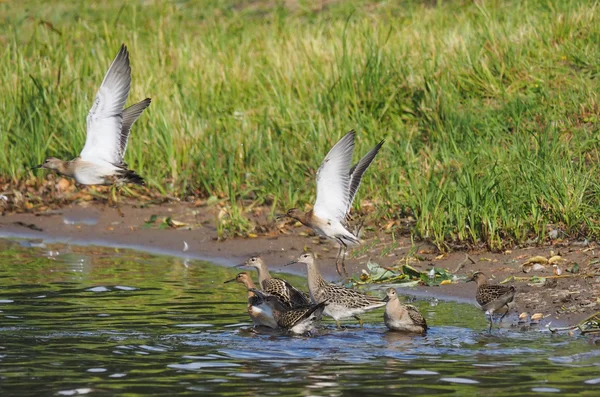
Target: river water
103, 321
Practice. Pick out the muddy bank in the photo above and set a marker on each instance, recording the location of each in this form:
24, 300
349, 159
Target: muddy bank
185, 230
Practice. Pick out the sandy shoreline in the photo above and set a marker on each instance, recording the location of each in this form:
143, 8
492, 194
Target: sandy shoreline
563, 300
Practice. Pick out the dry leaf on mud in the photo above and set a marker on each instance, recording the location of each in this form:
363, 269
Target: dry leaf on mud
555, 259
536, 259
537, 317
523, 317
175, 224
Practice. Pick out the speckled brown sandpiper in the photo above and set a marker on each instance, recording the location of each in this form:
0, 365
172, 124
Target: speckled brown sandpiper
341, 302
287, 293
300, 320
259, 311
337, 184
401, 317
492, 298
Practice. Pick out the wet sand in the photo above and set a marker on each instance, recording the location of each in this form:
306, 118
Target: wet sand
565, 300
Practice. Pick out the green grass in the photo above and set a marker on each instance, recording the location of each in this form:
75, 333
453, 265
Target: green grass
490, 110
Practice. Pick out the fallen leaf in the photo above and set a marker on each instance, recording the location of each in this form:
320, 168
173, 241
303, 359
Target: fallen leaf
555, 259
536, 259
537, 317
574, 269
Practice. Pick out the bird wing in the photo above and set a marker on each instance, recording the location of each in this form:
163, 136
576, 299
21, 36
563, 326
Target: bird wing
105, 119
294, 316
283, 290
416, 316
297, 297
489, 293
130, 115
357, 171
350, 298
333, 180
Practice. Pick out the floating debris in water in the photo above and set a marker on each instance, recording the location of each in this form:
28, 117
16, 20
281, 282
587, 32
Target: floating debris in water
464, 381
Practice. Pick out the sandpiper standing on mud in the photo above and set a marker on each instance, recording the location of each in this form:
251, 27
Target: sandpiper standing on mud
337, 184
492, 298
108, 124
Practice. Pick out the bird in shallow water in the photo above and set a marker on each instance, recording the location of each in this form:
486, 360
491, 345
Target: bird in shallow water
492, 298
299, 321
259, 311
341, 302
101, 161
337, 184
400, 317
286, 292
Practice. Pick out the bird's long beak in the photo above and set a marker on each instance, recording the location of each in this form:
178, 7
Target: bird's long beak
240, 265
470, 279
229, 281
292, 262
37, 166
280, 216
386, 299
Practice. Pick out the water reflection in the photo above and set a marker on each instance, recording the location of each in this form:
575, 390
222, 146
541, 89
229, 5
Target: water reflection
105, 321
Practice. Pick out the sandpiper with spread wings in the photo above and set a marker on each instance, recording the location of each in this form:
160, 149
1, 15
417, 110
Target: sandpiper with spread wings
299, 320
108, 125
287, 293
337, 184
341, 302
492, 298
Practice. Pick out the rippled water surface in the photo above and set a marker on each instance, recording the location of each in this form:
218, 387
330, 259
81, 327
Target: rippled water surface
99, 321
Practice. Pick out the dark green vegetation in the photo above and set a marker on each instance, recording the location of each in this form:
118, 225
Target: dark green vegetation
490, 110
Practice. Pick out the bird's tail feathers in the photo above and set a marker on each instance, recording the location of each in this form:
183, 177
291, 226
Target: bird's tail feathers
130, 176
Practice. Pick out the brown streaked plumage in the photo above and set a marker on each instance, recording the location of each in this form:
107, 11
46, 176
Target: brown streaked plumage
341, 302
286, 292
492, 298
337, 184
400, 317
259, 311
299, 320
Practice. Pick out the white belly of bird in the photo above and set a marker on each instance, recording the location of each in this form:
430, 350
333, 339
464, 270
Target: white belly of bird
304, 326
399, 325
338, 312
262, 315
94, 174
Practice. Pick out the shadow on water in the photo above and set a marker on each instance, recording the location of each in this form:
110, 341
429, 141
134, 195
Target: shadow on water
79, 320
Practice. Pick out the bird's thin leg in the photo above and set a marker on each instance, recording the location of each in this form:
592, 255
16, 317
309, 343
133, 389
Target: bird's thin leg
339, 262
360, 321
505, 313
491, 318
337, 322
114, 200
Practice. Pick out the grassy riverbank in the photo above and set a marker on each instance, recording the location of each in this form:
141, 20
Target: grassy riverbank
490, 111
